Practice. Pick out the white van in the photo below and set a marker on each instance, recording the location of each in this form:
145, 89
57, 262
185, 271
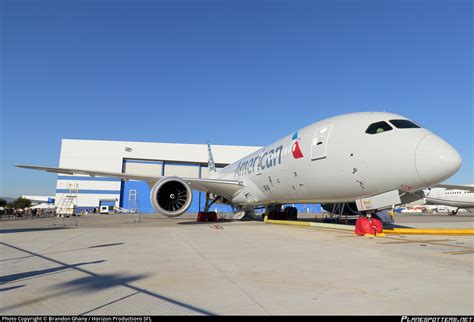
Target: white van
104, 210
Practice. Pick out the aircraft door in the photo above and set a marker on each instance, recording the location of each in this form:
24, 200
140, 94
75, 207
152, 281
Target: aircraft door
319, 144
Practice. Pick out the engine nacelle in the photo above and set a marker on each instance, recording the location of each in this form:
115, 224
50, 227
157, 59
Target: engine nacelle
171, 196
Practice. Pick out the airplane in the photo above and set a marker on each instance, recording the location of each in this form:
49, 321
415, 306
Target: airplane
450, 195
343, 159
458, 196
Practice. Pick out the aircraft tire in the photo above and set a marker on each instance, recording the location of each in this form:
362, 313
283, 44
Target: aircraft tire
292, 213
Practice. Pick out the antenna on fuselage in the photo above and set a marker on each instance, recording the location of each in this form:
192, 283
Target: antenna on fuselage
210, 159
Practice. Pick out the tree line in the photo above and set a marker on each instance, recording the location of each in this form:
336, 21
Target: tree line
18, 203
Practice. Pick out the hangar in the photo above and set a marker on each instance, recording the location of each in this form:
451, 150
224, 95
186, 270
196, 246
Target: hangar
162, 159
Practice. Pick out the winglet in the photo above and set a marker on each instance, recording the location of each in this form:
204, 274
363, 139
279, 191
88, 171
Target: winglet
210, 161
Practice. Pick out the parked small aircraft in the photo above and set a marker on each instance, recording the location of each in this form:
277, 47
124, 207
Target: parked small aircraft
458, 196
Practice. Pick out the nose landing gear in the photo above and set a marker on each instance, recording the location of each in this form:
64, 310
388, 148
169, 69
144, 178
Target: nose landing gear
454, 212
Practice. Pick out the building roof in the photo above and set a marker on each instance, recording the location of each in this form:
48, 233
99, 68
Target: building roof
109, 155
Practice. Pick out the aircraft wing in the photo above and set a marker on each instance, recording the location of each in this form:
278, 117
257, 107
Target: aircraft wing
216, 186
455, 186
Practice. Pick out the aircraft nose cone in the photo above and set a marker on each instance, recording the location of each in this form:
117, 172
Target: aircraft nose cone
435, 159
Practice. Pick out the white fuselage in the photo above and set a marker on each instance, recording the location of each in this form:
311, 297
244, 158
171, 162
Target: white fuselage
335, 160
450, 197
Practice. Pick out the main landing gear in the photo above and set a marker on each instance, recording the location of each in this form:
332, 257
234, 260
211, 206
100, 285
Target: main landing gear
368, 225
275, 212
206, 215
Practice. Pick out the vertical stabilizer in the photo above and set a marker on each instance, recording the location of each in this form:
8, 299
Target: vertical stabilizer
210, 161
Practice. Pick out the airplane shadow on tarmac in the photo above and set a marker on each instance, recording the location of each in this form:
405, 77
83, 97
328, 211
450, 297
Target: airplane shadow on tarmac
11, 288
205, 222
32, 274
63, 251
106, 245
90, 283
25, 230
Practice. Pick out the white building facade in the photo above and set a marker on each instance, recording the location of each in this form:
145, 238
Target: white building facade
161, 159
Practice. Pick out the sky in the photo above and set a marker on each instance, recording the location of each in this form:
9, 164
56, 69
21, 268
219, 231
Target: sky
228, 72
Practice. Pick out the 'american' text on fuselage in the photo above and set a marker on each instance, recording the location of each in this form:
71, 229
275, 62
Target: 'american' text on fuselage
266, 159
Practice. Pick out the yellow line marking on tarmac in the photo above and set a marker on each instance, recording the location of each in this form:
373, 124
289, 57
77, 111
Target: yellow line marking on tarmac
462, 252
429, 231
408, 241
392, 231
398, 231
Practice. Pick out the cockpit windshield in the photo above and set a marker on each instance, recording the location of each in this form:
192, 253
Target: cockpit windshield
404, 124
378, 127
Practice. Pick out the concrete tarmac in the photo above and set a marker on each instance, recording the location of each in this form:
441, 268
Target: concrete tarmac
113, 265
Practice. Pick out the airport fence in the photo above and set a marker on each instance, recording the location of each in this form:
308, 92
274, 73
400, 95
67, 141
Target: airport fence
19, 216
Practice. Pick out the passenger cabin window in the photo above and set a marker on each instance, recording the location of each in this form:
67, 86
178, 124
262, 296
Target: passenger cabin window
404, 124
378, 127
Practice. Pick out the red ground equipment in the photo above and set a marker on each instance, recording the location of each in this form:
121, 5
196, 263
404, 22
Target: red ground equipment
207, 216
365, 226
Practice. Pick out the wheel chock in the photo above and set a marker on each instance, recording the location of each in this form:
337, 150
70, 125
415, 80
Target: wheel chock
372, 235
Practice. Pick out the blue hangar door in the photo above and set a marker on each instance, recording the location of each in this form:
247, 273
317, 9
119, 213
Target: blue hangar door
136, 194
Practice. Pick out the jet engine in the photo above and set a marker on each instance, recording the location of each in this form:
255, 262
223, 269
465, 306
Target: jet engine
171, 196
